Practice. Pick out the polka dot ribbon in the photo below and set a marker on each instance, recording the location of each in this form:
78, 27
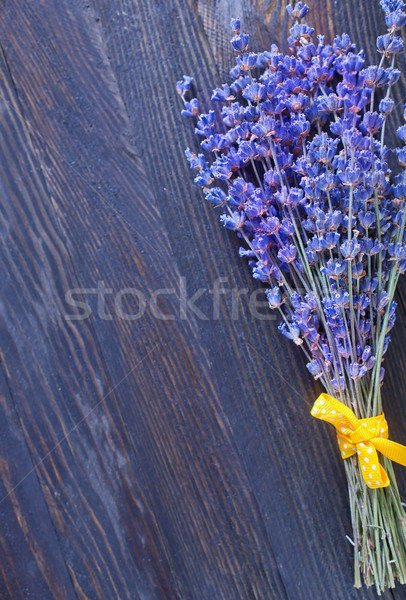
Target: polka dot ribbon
361, 436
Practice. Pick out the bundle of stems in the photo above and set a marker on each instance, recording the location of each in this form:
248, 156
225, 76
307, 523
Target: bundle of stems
299, 165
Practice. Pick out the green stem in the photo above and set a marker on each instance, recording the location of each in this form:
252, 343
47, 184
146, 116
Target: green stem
379, 527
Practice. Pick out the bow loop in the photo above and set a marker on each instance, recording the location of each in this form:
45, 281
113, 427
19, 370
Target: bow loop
361, 436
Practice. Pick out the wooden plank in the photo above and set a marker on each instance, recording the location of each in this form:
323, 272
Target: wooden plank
255, 374
156, 464
31, 563
82, 455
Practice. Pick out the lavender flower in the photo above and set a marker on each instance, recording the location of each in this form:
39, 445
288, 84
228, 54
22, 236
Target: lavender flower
300, 168
298, 149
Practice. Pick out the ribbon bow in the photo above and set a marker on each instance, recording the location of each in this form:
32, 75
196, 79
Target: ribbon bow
361, 436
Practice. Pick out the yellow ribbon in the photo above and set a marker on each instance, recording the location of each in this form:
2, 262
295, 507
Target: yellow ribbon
361, 436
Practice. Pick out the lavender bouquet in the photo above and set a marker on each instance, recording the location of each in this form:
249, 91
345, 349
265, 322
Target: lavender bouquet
299, 165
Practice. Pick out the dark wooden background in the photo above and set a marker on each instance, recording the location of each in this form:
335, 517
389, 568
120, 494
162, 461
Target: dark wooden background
151, 458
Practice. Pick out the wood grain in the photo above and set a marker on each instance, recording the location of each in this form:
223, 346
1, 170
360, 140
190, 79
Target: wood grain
30, 555
65, 404
180, 451
165, 451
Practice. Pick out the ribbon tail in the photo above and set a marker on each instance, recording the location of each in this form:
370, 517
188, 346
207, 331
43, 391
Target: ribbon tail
385, 481
392, 450
373, 473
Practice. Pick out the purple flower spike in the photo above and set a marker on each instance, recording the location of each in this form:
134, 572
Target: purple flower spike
295, 160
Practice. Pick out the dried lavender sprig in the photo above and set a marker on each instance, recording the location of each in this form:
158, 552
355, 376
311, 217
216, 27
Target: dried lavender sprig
301, 168
249, 140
